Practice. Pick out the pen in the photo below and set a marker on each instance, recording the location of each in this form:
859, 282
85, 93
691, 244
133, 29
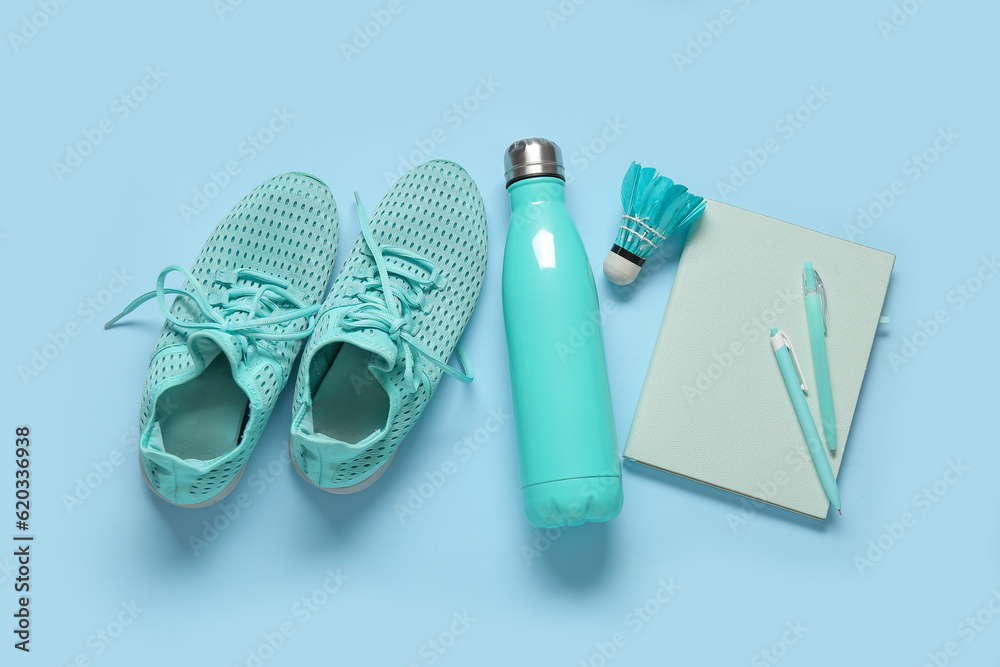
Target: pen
816, 316
796, 384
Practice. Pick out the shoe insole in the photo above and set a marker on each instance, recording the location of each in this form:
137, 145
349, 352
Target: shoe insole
206, 414
350, 404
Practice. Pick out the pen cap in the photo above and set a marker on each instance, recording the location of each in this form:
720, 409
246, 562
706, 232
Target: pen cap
780, 339
809, 277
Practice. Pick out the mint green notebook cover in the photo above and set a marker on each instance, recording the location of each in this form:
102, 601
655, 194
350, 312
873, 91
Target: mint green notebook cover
713, 407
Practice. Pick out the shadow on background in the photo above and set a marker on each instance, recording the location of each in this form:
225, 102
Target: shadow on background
575, 557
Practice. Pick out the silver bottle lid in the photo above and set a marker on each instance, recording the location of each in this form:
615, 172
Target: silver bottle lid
533, 157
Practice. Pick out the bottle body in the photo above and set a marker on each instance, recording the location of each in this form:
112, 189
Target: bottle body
567, 448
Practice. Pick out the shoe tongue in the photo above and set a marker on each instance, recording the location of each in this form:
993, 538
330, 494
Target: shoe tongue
198, 344
204, 345
377, 342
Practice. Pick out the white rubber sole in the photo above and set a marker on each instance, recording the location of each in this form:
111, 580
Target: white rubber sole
205, 503
342, 490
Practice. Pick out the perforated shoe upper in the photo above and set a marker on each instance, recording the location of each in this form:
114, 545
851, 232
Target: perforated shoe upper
431, 228
281, 238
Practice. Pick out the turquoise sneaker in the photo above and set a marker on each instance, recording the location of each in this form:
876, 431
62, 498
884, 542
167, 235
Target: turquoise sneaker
232, 333
393, 318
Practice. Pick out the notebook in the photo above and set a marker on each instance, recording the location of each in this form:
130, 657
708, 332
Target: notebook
713, 407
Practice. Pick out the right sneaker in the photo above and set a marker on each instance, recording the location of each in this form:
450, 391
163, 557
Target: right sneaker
232, 333
392, 320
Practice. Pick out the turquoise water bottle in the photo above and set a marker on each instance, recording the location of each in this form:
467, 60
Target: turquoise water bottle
567, 448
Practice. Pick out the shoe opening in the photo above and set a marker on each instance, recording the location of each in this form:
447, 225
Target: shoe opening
349, 403
203, 418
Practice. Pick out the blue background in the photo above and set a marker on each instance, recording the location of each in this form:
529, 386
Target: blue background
745, 574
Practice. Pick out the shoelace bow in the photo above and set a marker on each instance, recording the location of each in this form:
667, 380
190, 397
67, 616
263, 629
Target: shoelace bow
387, 305
268, 304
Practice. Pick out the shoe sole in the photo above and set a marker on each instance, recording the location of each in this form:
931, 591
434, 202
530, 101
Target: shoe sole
205, 503
341, 490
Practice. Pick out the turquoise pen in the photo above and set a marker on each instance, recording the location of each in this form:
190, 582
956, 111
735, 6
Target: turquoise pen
796, 384
816, 316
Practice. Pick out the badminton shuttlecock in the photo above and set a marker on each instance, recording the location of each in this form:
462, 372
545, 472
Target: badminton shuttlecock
653, 208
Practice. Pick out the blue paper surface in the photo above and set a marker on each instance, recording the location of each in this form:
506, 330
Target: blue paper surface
131, 129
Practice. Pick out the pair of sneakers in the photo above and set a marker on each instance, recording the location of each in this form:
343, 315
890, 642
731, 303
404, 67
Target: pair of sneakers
377, 345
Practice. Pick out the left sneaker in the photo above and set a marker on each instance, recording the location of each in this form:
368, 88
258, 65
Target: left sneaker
394, 315
232, 333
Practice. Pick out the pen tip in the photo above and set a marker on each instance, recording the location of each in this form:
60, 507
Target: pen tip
840, 513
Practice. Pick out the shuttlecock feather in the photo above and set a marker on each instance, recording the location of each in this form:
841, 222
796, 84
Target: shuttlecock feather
630, 184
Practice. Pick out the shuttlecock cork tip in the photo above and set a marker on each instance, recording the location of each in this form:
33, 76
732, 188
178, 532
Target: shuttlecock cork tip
620, 270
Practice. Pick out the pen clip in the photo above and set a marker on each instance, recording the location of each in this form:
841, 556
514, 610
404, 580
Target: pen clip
818, 290
782, 338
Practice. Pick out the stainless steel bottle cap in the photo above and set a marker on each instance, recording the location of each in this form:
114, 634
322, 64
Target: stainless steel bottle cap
533, 157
